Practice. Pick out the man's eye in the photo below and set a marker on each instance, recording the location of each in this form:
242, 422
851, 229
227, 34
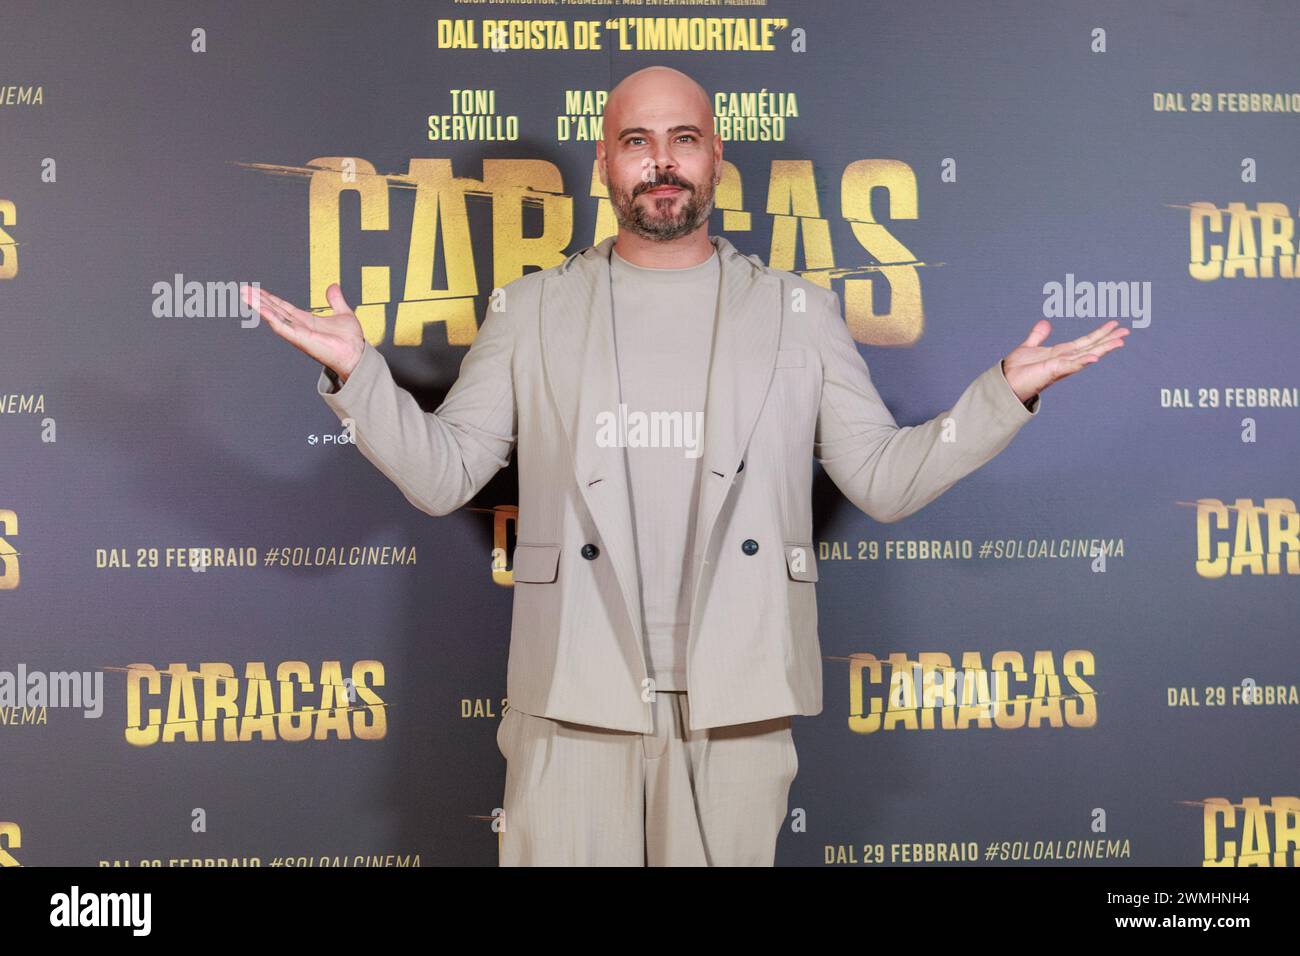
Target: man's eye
689, 136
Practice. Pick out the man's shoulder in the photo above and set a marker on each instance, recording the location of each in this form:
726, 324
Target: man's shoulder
523, 295
792, 280
532, 282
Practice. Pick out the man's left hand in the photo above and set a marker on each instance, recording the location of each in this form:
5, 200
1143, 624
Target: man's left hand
1032, 366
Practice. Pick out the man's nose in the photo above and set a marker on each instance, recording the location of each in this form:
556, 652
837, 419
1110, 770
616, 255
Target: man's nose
664, 161
651, 171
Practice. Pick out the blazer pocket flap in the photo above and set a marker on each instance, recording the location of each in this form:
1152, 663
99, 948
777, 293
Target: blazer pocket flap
536, 563
789, 358
799, 561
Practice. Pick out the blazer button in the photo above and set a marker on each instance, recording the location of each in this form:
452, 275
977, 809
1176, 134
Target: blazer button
590, 551
750, 546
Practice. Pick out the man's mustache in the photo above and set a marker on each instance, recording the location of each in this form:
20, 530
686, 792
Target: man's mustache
666, 180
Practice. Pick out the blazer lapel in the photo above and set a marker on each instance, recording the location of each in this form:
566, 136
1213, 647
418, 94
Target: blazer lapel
746, 335
578, 353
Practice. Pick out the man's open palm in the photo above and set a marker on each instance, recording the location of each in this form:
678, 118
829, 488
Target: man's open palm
1032, 366
335, 340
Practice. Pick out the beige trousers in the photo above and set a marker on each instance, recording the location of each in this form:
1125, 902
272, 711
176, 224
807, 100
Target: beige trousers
578, 795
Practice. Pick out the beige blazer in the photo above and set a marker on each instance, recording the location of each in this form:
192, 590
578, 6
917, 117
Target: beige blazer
786, 384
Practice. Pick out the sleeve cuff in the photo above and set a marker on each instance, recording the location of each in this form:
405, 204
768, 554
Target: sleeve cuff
328, 385
1021, 411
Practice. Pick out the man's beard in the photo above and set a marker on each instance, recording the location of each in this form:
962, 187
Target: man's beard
652, 224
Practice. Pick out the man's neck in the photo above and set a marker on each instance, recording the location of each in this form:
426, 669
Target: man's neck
673, 254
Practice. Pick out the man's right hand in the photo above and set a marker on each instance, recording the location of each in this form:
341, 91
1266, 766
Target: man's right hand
335, 340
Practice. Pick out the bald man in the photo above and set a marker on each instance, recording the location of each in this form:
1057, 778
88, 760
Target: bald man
664, 628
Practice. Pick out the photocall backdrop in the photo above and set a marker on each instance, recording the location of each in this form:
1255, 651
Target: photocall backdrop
1117, 590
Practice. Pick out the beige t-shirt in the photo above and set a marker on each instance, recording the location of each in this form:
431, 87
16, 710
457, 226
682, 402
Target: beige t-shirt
663, 330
